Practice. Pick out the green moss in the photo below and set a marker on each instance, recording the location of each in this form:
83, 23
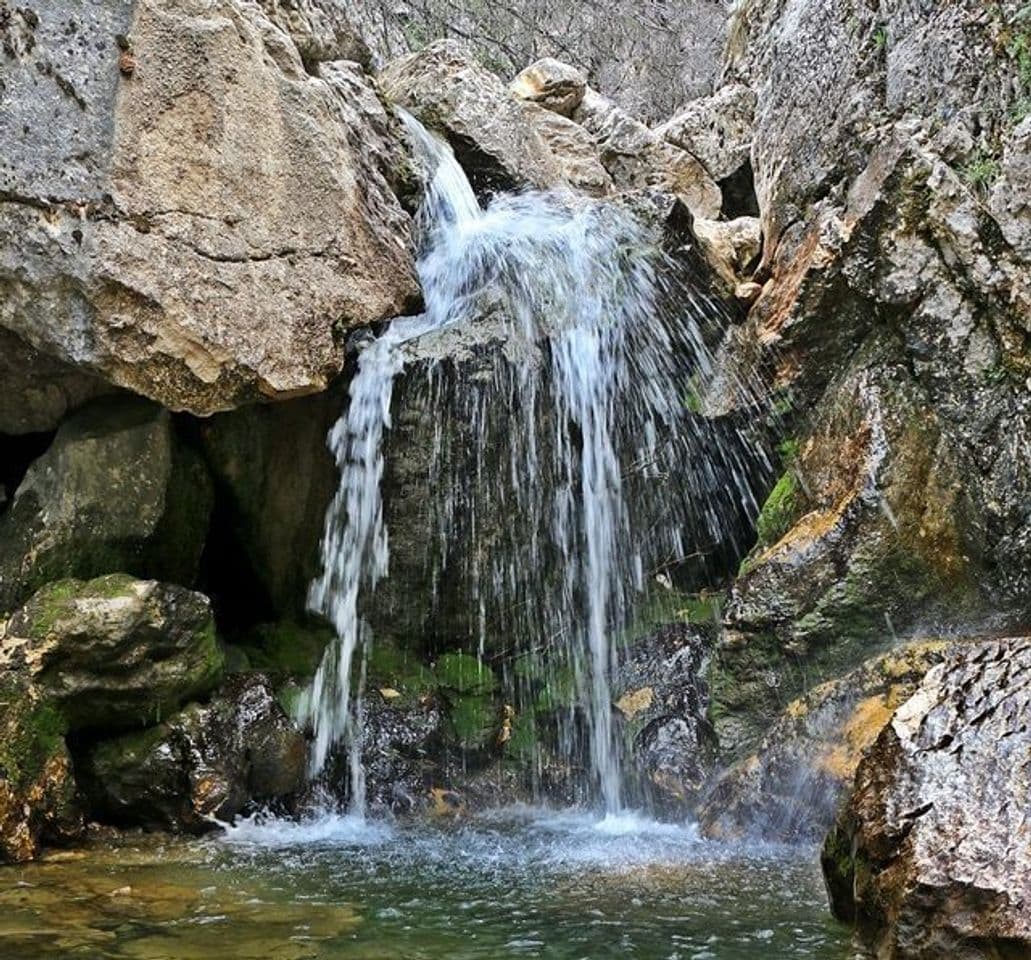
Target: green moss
399, 670
981, 170
472, 720
779, 511
285, 649
463, 673
30, 735
522, 744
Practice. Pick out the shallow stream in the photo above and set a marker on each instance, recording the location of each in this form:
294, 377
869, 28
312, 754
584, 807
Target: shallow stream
519, 883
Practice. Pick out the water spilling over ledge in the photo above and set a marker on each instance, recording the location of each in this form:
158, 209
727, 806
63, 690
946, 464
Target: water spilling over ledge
552, 373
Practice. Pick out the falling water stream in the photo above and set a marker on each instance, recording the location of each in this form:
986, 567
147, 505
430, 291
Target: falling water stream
582, 279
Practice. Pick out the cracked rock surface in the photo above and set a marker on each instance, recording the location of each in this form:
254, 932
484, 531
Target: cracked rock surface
196, 198
931, 857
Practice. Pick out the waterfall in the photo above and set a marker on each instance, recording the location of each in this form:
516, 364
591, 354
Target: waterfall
591, 343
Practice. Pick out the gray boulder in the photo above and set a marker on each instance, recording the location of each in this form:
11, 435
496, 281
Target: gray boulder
197, 202
115, 492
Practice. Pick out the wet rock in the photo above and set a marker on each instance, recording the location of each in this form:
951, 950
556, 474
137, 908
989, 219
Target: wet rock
661, 695
717, 130
788, 790
894, 198
870, 529
208, 762
554, 85
115, 652
930, 857
115, 492
37, 790
492, 132
142, 243
636, 158
401, 751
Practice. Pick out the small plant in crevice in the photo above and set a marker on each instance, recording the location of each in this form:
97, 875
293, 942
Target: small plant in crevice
981, 171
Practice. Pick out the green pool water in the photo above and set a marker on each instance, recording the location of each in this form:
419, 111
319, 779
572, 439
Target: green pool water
520, 884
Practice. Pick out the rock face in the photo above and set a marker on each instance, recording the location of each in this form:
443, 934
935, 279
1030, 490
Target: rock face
195, 198
205, 763
888, 163
789, 789
931, 856
116, 492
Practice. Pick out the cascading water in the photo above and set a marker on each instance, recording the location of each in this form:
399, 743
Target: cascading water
549, 493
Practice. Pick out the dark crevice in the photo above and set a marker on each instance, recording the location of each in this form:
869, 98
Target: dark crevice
16, 456
739, 198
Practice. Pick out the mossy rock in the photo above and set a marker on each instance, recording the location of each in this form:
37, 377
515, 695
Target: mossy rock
390, 668
115, 652
285, 649
117, 491
462, 673
473, 720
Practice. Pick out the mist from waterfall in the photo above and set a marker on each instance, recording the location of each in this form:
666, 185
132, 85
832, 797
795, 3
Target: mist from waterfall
550, 473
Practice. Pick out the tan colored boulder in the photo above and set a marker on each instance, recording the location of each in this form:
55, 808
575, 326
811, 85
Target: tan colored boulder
636, 158
717, 130
575, 150
200, 211
731, 246
493, 134
554, 85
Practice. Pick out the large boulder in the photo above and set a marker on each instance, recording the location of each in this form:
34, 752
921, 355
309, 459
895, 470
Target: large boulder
115, 652
717, 130
788, 790
931, 857
196, 203
203, 765
637, 158
116, 492
87, 659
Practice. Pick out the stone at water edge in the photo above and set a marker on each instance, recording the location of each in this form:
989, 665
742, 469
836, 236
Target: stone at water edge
144, 243
117, 491
102, 655
204, 763
931, 856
